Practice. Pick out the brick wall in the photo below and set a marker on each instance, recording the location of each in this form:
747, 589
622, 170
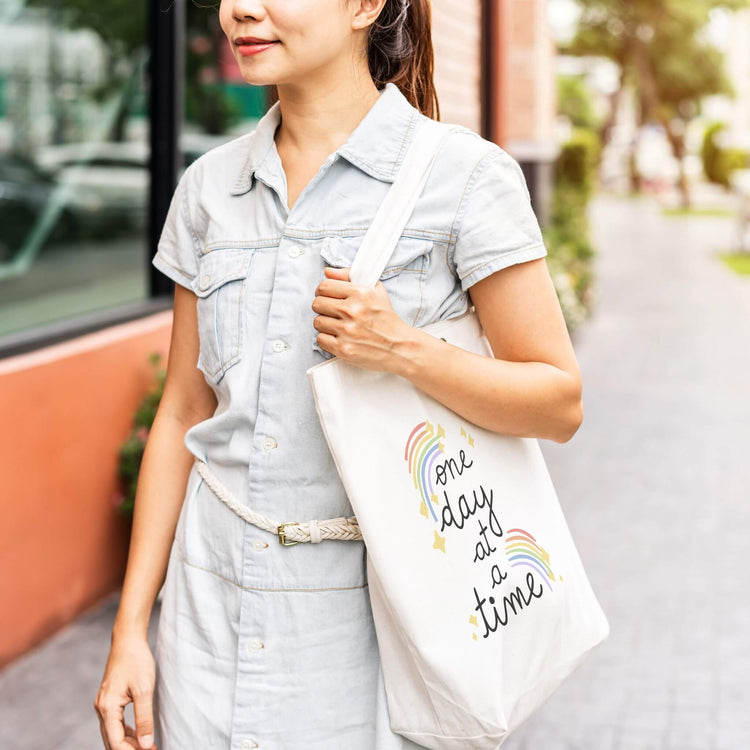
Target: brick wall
527, 97
456, 38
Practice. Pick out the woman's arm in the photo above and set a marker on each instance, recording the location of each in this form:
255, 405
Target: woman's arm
187, 399
129, 674
532, 388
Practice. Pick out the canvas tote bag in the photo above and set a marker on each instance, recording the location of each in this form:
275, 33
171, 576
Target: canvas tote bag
480, 602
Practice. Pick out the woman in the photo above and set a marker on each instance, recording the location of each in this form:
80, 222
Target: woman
273, 646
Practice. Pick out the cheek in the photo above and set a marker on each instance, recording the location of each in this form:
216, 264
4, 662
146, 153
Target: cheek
313, 31
225, 16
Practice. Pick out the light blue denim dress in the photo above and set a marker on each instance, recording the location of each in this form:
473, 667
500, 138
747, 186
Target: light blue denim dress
261, 645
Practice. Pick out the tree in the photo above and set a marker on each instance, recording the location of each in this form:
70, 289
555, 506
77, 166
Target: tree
660, 47
121, 26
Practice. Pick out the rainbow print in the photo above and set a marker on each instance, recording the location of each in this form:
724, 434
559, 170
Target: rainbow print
522, 550
423, 446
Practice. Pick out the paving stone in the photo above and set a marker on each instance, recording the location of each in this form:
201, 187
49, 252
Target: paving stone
655, 485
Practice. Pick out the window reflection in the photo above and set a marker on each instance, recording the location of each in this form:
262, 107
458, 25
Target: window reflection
73, 158
74, 148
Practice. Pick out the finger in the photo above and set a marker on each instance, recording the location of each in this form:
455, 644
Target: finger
326, 324
113, 725
326, 306
342, 273
328, 342
130, 737
144, 718
333, 287
103, 732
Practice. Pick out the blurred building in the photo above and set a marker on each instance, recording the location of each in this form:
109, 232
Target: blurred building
737, 111
97, 122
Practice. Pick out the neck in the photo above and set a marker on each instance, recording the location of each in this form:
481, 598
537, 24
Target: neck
317, 119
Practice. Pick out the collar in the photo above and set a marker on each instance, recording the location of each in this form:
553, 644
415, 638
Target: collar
377, 145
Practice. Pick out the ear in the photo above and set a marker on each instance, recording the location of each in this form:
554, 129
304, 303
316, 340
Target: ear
366, 13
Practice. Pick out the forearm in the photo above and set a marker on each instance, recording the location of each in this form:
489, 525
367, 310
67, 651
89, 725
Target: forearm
161, 488
524, 399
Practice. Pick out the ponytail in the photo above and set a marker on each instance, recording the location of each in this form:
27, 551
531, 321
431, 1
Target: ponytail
399, 50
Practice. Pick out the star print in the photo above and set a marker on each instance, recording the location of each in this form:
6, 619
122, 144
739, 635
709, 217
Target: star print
439, 542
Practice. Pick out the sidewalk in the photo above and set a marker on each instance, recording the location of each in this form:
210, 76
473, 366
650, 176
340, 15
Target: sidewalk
47, 696
655, 489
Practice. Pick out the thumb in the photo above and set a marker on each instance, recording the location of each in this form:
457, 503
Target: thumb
337, 273
144, 719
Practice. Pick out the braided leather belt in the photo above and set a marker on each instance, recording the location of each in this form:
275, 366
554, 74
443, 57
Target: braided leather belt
342, 527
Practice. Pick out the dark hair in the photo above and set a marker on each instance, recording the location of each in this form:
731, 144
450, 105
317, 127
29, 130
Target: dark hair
399, 50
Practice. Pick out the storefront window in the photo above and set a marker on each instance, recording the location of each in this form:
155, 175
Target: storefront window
74, 148
73, 158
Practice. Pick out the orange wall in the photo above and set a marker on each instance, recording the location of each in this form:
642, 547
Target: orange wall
64, 411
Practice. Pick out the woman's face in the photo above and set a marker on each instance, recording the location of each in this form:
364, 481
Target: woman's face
306, 37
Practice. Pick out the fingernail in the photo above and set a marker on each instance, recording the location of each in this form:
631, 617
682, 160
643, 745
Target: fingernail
146, 741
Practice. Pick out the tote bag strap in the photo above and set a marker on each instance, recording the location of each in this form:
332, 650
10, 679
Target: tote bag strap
397, 206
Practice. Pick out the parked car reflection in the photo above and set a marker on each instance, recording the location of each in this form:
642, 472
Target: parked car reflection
79, 191
25, 191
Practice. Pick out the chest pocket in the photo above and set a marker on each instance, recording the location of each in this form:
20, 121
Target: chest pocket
403, 276
220, 287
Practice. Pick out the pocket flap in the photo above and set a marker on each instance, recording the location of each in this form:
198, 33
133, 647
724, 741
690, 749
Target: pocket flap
341, 251
217, 267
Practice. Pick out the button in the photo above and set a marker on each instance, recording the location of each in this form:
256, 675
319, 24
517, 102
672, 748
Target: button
295, 251
254, 645
205, 281
248, 744
279, 345
269, 443
259, 544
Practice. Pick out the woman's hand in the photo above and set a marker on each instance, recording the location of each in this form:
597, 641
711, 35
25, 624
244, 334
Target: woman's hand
358, 323
128, 676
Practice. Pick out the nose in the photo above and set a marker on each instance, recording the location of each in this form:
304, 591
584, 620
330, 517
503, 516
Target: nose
244, 9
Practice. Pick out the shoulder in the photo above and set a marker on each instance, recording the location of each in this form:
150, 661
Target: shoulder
465, 146
466, 158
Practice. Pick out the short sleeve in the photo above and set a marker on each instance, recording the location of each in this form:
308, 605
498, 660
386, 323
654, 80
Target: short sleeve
177, 250
496, 223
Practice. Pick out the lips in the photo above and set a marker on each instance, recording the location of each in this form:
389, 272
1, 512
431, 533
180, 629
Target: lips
242, 40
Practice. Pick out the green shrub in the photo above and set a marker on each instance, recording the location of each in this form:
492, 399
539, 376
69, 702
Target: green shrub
570, 251
710, 152
578, 160
718, 163
574, 101
731, 159
567, 235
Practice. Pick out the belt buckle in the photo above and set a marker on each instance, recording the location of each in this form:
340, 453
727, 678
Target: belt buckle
282, 535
